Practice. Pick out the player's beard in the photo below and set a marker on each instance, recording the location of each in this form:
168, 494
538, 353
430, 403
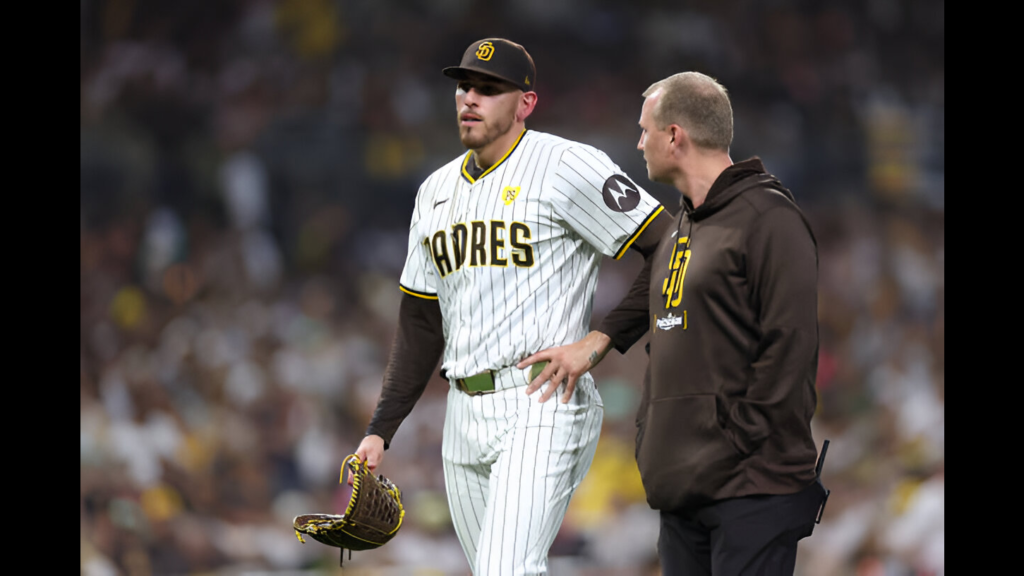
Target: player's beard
480, 135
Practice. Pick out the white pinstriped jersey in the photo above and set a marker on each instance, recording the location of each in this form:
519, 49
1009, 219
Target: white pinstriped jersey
512, 256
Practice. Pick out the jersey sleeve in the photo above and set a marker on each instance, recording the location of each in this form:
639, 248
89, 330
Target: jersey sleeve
419, 278
593, 196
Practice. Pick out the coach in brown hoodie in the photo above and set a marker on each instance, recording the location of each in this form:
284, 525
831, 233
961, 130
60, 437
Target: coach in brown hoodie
724, 440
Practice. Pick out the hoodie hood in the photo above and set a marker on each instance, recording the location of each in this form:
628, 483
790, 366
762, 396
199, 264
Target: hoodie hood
732, 182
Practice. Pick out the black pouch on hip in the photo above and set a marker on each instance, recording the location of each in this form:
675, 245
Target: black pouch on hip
817, 473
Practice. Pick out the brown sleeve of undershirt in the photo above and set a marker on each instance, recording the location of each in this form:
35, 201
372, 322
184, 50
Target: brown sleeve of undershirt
415, 353
629, 321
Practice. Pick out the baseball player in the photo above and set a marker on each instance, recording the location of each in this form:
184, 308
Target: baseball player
504, 248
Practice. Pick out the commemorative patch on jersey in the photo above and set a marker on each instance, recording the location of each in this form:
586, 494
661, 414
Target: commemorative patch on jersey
509, 194
620, 194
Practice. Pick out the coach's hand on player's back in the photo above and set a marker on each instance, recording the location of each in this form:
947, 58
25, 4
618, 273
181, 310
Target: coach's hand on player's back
371, 451
566, 363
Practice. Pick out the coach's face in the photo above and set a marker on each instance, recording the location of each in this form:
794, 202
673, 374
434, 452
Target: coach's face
486, 109
654, 142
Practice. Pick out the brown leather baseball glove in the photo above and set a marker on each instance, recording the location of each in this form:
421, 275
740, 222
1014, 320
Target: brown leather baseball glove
372, 518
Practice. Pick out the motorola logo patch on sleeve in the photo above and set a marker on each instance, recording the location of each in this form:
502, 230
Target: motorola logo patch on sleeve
620, 194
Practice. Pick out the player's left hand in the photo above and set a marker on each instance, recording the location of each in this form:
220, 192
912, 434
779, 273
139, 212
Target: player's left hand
371, 451
566, 363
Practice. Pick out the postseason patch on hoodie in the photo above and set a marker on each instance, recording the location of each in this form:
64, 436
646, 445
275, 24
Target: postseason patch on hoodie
671, 321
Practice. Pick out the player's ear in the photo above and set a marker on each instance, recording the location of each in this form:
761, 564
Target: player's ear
526, 104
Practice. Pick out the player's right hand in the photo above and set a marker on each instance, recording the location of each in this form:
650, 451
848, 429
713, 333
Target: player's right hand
566, 363
371, 451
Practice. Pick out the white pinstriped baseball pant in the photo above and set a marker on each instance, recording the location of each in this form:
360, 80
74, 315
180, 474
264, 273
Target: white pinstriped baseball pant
511, 465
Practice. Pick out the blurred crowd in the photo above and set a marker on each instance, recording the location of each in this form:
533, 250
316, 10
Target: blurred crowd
247, 176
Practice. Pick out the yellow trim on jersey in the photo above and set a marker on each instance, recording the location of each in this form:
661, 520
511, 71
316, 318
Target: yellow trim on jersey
469, 155
423, 295
636, 234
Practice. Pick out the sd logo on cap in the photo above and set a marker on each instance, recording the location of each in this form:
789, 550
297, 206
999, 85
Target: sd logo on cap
485, 51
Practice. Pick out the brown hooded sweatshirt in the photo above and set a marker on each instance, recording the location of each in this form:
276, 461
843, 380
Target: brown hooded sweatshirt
731, 302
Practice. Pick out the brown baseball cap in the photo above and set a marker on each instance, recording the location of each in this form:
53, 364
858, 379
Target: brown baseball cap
499, 58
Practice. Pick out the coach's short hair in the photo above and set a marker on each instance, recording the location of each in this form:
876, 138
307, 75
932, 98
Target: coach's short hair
698, 104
